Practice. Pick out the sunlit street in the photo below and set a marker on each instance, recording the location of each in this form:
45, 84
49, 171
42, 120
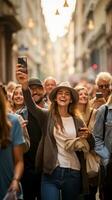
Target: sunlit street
55, 99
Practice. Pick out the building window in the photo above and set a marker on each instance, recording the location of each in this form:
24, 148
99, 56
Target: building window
90, 21
109, 18
95, 59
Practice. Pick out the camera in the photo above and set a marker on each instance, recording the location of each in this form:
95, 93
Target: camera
23, 63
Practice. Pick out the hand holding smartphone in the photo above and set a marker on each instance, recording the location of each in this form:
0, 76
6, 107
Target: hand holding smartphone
84, 132
99, 95
23, 63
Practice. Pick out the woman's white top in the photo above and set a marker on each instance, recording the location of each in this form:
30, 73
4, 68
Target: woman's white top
65, 158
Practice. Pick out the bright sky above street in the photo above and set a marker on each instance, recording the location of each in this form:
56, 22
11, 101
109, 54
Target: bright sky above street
57, 25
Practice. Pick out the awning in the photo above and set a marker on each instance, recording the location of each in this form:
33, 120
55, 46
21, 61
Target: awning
11, 22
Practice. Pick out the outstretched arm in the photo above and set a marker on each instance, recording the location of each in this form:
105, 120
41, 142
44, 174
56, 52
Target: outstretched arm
36, 111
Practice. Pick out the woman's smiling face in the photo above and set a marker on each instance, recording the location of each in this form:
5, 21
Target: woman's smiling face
18, 98
83, 96
63, 97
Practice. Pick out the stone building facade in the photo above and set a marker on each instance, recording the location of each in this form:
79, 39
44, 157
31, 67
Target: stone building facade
9, 24
93, 35
23, 33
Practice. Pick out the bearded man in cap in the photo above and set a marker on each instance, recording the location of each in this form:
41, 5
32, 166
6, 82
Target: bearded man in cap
31, 179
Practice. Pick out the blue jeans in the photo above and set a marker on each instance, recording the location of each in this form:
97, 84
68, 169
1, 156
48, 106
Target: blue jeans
62, 184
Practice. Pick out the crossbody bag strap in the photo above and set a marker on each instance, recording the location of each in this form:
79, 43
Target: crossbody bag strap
90, 117
105, 119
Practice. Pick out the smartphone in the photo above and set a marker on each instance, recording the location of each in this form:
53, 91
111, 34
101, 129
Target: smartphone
99, 95
23, 62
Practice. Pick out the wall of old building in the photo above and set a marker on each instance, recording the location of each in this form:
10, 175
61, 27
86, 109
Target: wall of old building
33, 39
92, 50
8, 25
23, 33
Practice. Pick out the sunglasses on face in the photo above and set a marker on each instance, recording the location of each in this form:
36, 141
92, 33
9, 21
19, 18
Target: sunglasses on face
104, 86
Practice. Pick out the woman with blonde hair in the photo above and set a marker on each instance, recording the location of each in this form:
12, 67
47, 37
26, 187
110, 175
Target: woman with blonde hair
83, 106
17, 99
88, 115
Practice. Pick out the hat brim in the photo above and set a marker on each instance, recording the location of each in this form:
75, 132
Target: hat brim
37, 84
74, 93
35, 81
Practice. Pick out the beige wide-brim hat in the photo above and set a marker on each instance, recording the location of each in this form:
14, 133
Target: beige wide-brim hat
74, 93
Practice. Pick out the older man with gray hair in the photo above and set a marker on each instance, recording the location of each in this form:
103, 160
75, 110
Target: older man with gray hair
103, 88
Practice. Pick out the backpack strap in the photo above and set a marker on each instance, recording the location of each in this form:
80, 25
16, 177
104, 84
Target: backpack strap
105, 119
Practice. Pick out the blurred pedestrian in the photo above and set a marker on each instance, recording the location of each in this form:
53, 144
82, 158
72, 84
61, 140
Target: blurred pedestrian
49, 84
11, 150
10, 88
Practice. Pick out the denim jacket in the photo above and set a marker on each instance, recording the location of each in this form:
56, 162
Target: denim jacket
103, 146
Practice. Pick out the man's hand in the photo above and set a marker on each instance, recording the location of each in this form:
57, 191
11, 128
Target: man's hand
99, 102
21, 77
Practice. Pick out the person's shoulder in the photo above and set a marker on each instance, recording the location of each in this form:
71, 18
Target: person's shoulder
102, 107
101, 110
79, 119
23, 112
13, 117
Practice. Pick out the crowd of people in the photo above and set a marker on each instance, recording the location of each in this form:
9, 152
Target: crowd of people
41, 126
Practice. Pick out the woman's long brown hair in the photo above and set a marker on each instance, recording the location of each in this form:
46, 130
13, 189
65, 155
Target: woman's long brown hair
5, 125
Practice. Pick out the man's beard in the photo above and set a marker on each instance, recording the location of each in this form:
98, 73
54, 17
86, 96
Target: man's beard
39, 100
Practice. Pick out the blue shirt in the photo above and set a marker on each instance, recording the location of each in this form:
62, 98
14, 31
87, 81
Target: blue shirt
6, 157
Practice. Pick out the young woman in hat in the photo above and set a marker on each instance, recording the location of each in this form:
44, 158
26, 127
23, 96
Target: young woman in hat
61, 169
